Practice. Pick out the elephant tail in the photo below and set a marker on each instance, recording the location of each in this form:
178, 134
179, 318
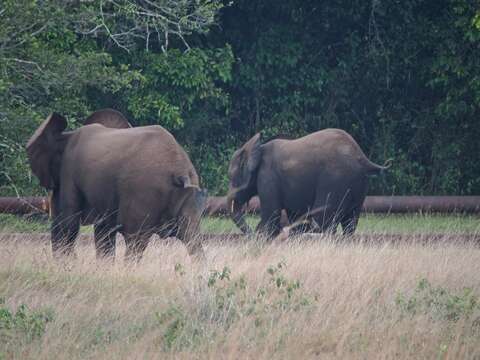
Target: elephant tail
375, 169
183, 181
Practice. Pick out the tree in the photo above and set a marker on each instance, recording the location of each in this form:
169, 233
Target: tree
400, 76
76, 56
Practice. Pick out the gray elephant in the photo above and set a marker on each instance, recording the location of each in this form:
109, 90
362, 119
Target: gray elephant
136, 181
322, 176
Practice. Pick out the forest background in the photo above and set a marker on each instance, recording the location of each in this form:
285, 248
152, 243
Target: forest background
401, 76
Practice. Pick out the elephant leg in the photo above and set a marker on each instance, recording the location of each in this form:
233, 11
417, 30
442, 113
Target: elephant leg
269, 224
304, 227
136, 245
66, 224
138, 218
329, 223
325, 221
137, 235
270, 207
166, 232
350, 221
105, 235
64, 231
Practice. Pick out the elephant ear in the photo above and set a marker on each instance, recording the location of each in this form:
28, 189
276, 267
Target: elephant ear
44, 148
253, 152
183, 181
244, 162
109, 118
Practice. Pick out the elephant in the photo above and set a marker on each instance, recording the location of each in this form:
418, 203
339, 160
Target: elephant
321, 176
134, 181
109, 118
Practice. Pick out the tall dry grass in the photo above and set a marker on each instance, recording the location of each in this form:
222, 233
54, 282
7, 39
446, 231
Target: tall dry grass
314, 299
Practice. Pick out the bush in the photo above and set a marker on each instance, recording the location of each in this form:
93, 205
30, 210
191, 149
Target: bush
23, 325
439, 303
227, 301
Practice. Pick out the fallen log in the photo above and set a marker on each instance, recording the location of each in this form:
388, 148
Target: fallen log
24, 205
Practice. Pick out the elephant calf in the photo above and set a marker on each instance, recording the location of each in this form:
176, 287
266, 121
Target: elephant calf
136, 181
321, 176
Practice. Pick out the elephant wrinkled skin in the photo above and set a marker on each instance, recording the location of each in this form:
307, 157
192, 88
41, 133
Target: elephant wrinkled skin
320, 177
136, 181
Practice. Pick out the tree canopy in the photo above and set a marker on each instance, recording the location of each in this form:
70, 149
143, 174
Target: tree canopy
400, 76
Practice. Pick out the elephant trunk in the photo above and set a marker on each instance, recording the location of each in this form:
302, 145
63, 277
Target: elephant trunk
235, 208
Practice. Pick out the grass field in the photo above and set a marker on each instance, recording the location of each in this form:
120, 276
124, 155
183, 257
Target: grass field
301, 299
295, 300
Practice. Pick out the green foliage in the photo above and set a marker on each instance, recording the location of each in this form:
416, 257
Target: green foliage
179, 269
439, 303
172, 85
44, 67
232, 300
220, 276
176, 321
22, 325
62, 57
400, 76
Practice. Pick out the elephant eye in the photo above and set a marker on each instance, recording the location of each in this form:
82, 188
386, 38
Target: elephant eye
237, 178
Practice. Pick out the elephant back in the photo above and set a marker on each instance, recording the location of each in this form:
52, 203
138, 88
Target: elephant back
109, 118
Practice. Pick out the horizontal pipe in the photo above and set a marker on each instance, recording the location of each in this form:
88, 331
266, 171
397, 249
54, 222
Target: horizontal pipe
422, 204
217, 205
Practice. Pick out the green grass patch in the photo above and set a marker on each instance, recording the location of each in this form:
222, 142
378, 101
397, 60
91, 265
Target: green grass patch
18, 224
398, 224
369, 223
218, 225
419, 223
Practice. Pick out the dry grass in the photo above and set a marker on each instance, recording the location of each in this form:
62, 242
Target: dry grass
319, 299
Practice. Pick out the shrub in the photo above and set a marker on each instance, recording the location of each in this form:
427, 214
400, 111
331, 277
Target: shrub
438, 303
23, 325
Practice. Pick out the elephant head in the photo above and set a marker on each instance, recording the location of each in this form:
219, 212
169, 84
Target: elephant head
194, 200
188, 210
45, 148
242, 173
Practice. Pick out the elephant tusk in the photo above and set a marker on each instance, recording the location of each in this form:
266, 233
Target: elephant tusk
45, 205
233, 205
50, 199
